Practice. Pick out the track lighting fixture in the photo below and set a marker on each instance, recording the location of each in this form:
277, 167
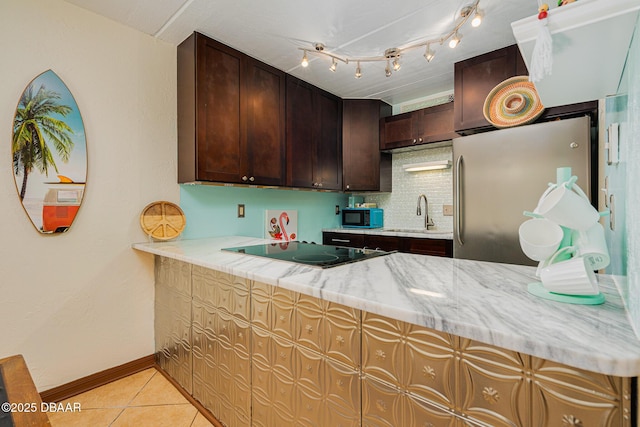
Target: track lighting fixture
334, 65
477, 19
392, 56
358, 71
429, 54
455, 40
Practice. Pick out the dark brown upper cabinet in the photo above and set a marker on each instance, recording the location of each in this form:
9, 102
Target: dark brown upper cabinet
473, 80
364, 167
314, 137
416, 128
231, 116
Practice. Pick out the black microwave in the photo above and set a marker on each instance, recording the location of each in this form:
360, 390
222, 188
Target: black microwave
362, 218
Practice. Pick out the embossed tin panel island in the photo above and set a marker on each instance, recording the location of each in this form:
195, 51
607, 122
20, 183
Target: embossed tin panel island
397, 340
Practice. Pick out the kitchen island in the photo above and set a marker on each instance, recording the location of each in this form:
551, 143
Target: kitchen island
428, 338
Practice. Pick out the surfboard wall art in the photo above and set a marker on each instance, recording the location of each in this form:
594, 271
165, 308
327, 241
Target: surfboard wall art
49, 154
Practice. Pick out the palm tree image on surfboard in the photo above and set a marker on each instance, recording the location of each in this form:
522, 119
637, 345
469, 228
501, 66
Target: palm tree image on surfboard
49, 154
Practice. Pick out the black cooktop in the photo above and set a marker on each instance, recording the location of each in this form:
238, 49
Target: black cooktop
323, 256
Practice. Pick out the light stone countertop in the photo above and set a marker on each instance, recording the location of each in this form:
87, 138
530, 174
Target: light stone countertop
487, 302
419, 233
207, 253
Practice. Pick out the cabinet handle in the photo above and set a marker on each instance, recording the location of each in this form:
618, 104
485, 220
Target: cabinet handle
458, 199
245, 178
414, 140
341, 240
347, 186
252, 179
419, 139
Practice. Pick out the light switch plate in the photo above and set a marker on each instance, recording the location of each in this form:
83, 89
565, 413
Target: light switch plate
241, 211
447, 210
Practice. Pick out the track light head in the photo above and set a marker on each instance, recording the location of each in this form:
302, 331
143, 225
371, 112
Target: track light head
396, 64
455, 40
477, 18
429, 54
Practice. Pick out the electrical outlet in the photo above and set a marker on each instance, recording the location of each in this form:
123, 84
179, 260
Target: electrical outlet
241, 211
447, 210
337, 210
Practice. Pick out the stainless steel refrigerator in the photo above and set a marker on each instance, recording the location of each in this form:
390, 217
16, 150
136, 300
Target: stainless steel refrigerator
500, 174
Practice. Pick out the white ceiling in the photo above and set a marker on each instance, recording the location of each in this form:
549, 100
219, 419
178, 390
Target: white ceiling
273, 30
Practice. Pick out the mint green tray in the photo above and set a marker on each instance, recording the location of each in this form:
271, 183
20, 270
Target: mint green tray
539, 290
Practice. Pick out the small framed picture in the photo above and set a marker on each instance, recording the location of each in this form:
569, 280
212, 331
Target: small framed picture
281, 225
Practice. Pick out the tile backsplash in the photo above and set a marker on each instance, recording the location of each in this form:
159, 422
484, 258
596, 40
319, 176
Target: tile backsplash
400, 205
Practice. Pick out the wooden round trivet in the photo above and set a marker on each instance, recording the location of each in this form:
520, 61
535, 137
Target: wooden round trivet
162, 220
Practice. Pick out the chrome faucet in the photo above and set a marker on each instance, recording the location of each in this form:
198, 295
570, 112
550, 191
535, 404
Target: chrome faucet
427, 221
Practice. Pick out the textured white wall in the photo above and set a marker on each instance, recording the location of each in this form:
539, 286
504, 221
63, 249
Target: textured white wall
400, 205
81, 302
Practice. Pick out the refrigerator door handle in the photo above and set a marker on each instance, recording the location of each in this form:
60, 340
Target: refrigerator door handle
457, 201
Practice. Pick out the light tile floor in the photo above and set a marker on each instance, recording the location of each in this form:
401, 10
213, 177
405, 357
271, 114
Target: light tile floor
143, 399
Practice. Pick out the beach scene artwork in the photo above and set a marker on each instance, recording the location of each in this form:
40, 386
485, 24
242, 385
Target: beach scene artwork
49, 154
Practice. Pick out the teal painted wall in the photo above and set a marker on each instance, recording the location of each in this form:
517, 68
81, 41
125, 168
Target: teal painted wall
212, 210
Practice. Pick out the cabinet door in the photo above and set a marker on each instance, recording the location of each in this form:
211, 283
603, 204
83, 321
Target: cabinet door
473, 80
361, 157
328, 160
218, 111
434, 124
314, 137
436, 247
301, 121
384, 243
398, 131
265, 124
